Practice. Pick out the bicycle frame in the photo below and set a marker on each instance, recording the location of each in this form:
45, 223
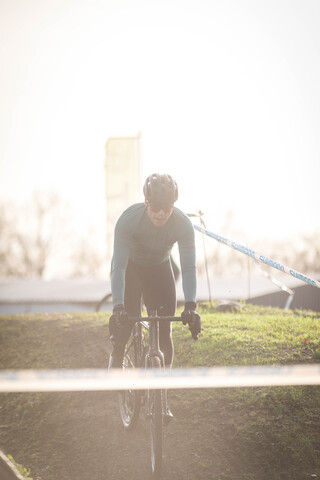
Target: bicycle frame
151, 323
136, 356
154, 346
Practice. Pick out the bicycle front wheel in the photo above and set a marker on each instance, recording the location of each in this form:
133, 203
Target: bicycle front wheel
155, 409
130, 400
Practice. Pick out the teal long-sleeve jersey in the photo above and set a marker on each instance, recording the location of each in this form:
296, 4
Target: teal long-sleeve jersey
138, 240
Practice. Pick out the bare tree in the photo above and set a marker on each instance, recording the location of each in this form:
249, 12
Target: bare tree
6, 242
301, 253
38, 240
221, 259
86, 260
29, 233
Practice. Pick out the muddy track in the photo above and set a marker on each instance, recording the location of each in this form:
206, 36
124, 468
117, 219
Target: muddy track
216, 435
68, 436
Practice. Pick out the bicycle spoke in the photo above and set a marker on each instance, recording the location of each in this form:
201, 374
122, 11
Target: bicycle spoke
130, 400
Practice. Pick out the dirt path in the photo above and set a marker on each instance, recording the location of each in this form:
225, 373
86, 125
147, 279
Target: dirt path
68, 436
79, 436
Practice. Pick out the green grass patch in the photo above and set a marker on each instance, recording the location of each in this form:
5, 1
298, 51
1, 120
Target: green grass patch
25, 472
252, 336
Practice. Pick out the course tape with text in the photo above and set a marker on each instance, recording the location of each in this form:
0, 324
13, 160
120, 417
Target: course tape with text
259, 257
101, 379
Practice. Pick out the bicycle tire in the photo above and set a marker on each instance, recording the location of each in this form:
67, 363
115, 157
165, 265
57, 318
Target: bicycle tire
130, 400
156, 424
106, 298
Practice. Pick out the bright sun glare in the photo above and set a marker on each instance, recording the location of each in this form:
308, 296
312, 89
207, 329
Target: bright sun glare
224, 94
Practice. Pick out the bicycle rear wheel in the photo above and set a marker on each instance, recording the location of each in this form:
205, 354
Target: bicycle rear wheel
130, 400
156, 423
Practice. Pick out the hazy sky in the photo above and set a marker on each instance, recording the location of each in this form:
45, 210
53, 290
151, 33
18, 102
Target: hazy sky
224, 93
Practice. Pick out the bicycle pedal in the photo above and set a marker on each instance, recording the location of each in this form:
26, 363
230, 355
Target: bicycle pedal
167, 417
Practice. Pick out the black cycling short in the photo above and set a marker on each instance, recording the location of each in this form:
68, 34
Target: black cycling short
156, 287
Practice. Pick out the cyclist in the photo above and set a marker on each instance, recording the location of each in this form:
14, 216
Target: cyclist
141, 268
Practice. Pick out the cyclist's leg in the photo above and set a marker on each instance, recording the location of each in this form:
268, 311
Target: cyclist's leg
116, 356
160, 294
132, 303
133, 290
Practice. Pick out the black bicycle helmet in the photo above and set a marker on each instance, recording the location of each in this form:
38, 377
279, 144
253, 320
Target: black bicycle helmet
160, 189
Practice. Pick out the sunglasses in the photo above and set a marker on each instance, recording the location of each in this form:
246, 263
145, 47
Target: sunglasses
157, 208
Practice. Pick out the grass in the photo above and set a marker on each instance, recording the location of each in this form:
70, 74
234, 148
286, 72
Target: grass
278, 431
252, 336
25, 472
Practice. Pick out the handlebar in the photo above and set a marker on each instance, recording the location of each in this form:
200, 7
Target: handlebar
155, 317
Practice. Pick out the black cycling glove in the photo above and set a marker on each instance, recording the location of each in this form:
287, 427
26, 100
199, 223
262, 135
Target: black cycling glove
117, 319
190, 316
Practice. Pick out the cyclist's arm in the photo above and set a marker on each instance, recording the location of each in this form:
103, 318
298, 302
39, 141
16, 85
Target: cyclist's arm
119, 263
187, 251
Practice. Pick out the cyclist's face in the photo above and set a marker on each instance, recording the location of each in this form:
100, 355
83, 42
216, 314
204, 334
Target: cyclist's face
158, 216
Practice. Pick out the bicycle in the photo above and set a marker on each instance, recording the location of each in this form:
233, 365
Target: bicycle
140, 355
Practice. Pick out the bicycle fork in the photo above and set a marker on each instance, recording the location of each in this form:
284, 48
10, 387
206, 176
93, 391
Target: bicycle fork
154, 352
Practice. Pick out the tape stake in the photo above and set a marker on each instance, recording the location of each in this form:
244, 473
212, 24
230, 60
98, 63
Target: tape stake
259, 257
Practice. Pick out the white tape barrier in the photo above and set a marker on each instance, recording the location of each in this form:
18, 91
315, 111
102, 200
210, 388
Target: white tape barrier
259, 257
139, 379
